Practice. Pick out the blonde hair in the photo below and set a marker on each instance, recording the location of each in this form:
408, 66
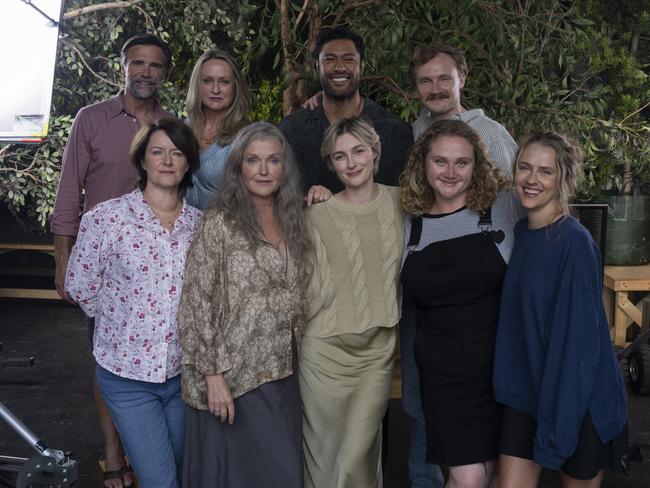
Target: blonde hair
237, 115
417, 195
568, 157
234, 201
358, 127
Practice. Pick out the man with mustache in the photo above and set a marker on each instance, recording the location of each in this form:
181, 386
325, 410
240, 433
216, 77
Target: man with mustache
339, 54
439, 74
96, 163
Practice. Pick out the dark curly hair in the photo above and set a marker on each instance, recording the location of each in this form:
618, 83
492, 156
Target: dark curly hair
327, 35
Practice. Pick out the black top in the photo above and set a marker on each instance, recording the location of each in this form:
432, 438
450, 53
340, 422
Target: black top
455, 282
305, 129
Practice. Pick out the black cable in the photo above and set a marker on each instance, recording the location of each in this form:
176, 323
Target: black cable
53, 22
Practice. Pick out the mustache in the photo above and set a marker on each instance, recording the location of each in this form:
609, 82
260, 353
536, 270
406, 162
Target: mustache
437, 96
148, 80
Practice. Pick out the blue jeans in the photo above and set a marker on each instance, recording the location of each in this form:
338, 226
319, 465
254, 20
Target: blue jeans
421, 473
150, 418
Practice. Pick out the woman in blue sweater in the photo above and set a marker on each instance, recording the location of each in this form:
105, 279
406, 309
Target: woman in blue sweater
555, 370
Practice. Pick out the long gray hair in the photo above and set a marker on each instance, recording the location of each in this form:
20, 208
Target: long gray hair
237, 115
234, 201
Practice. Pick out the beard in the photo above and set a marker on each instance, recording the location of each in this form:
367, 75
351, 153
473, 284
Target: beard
341, 94
143, 93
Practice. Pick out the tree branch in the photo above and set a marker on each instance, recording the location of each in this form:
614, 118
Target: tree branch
390, 84
4, 149
576, 89
300, 15
351, 6
314, 26
634, 113
70, 14
285, 34
85, 63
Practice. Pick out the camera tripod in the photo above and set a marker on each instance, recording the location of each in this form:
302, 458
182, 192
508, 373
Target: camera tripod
49, 468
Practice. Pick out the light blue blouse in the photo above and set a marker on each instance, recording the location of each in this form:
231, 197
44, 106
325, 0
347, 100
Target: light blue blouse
207, 178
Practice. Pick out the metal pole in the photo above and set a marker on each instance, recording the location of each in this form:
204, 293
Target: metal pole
23, 431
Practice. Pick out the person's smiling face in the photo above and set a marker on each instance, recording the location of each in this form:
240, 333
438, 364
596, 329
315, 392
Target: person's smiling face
537, 182
449, 169
438, 83
353, 161
144, 70
339, 69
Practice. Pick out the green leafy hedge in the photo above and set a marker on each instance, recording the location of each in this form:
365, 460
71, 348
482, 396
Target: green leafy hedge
572, 66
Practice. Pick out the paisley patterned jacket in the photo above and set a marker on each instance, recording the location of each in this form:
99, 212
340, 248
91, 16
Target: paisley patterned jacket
240, 306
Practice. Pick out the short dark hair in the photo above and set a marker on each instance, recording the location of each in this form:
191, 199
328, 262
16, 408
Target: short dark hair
327, 35
147, 40
182, 137
426, 52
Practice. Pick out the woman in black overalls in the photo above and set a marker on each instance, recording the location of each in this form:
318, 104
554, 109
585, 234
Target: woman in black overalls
459, 242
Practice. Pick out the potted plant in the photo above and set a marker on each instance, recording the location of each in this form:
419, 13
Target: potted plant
618, 174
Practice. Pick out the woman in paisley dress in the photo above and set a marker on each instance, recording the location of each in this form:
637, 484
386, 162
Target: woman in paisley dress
241, 316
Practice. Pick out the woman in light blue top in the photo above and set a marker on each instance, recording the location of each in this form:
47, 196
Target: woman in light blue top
218, 102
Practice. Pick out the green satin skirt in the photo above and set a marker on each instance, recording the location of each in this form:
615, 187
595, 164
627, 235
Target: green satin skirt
345, 386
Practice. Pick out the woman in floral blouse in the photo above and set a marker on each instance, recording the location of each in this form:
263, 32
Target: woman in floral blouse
241, 314
126, 270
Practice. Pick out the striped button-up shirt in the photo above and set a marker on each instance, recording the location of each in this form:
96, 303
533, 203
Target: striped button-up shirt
498, 141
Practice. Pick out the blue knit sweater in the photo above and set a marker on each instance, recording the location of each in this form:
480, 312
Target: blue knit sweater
554, 358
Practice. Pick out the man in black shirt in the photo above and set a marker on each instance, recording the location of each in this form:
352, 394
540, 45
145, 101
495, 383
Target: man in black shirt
339, 53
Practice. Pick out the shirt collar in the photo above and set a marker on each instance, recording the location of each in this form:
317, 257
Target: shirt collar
140, 205
117, 107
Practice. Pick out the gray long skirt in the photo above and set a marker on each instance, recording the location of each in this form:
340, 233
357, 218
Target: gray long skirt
261, 449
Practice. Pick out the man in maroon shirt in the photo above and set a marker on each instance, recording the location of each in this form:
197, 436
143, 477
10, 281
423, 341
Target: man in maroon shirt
96, 164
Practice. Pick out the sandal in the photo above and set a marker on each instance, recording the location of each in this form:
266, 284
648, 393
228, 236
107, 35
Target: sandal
117, 474
126, 470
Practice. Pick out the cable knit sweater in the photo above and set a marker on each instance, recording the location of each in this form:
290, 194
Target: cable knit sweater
355, 283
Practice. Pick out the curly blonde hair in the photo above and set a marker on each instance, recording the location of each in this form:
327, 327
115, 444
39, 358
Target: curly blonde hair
417, 195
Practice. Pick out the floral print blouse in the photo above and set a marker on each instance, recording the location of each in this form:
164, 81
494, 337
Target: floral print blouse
241, 304
126, 270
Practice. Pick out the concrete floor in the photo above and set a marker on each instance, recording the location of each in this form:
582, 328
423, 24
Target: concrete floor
54, 398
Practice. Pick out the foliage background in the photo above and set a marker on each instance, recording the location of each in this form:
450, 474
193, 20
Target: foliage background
580, 67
